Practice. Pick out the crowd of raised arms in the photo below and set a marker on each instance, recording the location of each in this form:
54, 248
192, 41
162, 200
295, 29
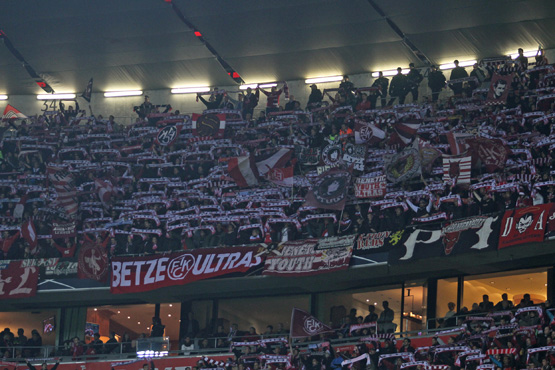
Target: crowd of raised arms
181, 196
490, 336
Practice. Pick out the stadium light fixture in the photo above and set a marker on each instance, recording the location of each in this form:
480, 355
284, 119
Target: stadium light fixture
55, 96
319, 80
527, 54
465, 63
391, 72
265, 86
3, 97
244, 87
190, 90
117, 94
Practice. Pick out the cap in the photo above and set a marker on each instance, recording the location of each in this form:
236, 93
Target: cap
411, 64
313, 85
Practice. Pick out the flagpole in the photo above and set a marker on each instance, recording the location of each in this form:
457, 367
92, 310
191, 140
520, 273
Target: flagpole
340, 218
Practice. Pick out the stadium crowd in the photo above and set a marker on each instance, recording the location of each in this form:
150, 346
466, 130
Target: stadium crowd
490, 336
134, 196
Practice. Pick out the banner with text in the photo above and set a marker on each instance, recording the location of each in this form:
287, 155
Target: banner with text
18, 280
141, 274
301, 258
370, 187
524, 225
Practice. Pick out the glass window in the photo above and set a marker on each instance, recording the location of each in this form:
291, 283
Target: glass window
446, 293
514, 283
133, 320
44, 322
414, 310
260, 312
334, 308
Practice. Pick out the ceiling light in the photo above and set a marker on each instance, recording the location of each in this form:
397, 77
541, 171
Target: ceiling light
375, 303
367, 300
55, 96
265, 86
171, 305
169, 315
190, 90
96, 309
116, 94
128, 317
528, 54
138, 322
3, 97
244, 87
317, 80
119, 311
391, 72
465, 63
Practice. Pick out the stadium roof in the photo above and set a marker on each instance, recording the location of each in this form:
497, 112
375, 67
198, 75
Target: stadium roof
144, 44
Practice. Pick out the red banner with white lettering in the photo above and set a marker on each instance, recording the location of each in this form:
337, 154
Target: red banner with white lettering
302, 258
167, 363
141, 274
18, 280
524, 225
370, 187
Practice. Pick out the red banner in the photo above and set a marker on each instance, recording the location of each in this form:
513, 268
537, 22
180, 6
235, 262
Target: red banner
301, 258
93, 262
499, 89
166, 363
370, 187
524, 225
141, 274
17, 280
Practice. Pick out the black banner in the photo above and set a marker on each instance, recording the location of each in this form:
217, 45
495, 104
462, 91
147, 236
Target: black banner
450, 238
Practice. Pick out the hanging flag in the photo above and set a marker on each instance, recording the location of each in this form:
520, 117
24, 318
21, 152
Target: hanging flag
524, 225
88, 91
105, 190
281, 176
456, 169
243, 170
93, 262
29, 233
12, 113
428, 155
167, 135
367, 133
64, 185
355, 155
493, 153
403, 133
403, 166
330, 190
277, 160
457, 142
212, 125
499, 89
305, 325
370, 187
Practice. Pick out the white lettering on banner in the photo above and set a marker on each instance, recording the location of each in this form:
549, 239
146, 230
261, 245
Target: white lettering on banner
24, 278
508, 227
539, 224
164, 268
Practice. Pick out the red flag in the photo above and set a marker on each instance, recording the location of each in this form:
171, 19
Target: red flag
12, 113
456, 169
281, 176
212, 125
93, 262
499, 89
305, 325
243, 170
277, 160
493, 153
457, 142
105, 190
368, 133
29, 233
